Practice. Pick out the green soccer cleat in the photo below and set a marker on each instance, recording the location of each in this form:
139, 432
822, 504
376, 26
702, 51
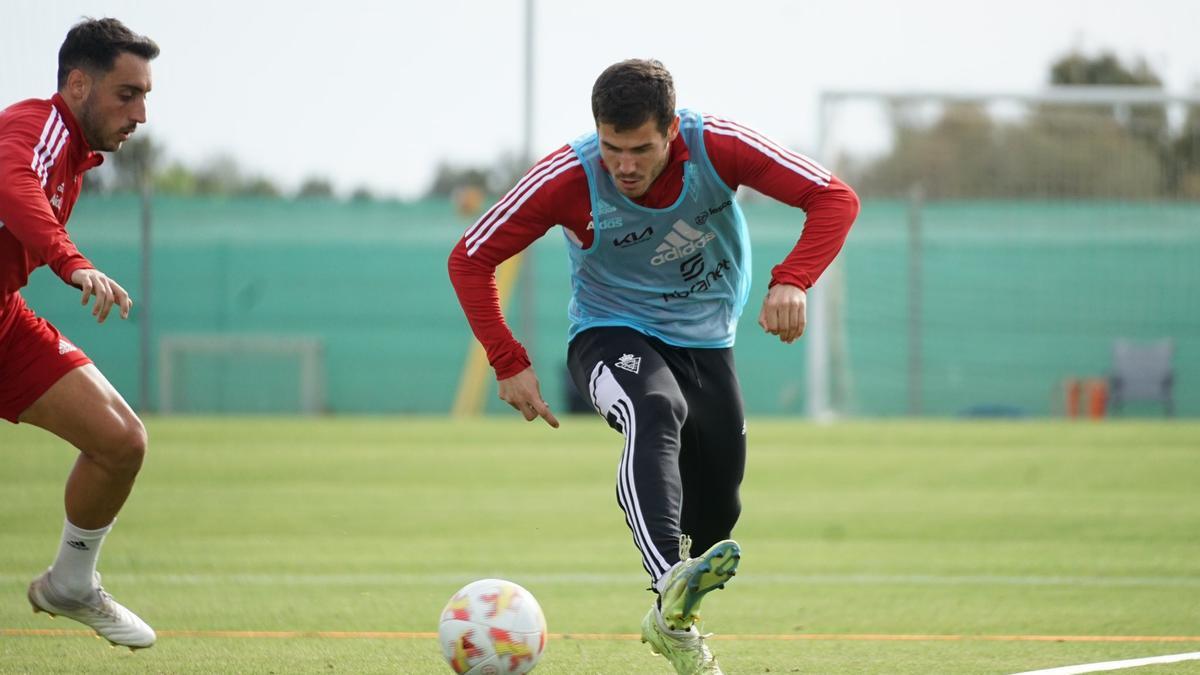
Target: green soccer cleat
688, 582
684, 649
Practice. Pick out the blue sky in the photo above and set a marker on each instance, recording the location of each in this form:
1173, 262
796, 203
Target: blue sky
375, 93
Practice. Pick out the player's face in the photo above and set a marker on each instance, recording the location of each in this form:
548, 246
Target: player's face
116, 103
635, 157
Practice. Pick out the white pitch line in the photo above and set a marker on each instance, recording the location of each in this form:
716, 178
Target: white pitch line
1114, 665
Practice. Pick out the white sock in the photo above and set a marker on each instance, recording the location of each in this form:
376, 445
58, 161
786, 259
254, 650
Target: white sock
76, 561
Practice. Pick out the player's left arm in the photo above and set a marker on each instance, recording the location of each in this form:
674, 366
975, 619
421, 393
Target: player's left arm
742, 156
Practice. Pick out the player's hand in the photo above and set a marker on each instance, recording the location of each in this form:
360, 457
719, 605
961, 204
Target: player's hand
783, 312
106, 291
523, 393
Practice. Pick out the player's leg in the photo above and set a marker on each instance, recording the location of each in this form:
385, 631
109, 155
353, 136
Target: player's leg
630, 384
48, 382
712, 460
711, 464
633, 381
85, 410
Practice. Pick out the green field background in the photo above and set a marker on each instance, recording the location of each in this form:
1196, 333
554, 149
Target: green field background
1015, 296
962, 532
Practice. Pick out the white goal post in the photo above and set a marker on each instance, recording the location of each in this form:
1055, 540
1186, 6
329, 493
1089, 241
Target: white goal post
307, 351
845, 119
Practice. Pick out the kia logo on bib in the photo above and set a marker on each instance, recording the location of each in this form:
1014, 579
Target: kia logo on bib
633, 238
682, 241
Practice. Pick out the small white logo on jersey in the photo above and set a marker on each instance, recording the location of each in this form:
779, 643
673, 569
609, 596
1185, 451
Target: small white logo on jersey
65, 347
683, 240
629, 362
56, 200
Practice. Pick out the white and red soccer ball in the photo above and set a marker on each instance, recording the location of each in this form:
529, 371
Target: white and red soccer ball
492, 627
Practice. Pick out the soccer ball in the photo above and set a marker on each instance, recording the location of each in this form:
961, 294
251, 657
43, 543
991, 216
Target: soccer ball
492, 627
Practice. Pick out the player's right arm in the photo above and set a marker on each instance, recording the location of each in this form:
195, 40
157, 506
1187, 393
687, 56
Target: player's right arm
24, 209
26, 214
523, 215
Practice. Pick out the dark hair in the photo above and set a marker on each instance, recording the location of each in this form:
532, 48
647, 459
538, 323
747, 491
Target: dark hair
93, 45
630, 92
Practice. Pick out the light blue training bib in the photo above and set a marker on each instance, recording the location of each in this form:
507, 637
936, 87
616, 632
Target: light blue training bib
681, 274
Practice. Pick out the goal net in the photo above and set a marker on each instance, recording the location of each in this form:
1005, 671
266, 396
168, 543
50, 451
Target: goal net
1006, 242
240, 374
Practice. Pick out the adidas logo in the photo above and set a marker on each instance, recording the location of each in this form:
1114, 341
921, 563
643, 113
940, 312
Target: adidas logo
77, 545
683, 240
65, 347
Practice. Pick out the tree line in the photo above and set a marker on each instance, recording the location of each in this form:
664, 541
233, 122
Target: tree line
1059, 151
1055, 151
141, 164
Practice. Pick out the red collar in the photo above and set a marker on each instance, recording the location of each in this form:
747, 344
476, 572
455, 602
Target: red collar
81, 153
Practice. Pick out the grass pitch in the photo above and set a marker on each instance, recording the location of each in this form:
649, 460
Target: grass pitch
318, 546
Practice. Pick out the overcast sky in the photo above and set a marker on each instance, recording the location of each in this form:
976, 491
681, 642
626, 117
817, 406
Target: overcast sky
376, 93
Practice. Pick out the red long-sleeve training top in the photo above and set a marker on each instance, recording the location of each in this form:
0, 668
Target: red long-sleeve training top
43, 156
549, 196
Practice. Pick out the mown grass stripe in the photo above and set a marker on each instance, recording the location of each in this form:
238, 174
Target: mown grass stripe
784, 637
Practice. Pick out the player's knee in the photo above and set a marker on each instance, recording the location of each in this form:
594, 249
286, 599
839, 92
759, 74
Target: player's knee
125, 447
663, 408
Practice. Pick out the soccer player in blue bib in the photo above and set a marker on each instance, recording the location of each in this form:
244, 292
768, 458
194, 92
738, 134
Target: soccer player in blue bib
660, 272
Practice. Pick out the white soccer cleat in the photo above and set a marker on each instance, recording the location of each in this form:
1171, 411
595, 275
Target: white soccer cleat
111, 620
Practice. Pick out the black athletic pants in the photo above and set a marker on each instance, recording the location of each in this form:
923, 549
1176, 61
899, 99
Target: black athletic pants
680, 410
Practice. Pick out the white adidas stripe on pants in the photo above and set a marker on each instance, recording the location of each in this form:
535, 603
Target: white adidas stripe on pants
609, 398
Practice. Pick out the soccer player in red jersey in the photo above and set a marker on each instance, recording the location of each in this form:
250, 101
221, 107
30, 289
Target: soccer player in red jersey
659, 253
45, 380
